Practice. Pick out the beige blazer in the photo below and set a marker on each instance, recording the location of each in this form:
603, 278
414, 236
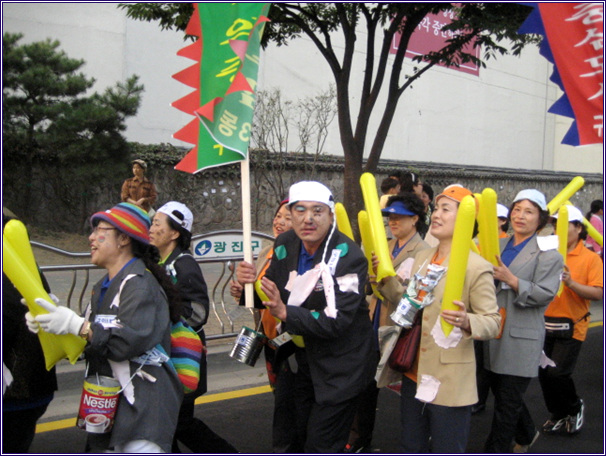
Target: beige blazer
455, 368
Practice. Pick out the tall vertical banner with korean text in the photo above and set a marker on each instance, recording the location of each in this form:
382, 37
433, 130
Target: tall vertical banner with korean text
224, 78
574, 43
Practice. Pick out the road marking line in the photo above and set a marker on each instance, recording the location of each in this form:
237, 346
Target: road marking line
71, 422
233, 394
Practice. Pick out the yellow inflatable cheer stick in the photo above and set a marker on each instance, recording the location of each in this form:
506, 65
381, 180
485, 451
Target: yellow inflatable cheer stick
574, 185
367, 243
343, 221
595, 234
489, 230
477, 247
371, 201
260, 292
459, 255
16, 233
54, 347
562, 232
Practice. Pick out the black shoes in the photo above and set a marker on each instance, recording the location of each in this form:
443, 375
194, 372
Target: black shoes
357, 447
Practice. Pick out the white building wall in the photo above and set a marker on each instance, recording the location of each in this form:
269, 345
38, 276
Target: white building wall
497, 119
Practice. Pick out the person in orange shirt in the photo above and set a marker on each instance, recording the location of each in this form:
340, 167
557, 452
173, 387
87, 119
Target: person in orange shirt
583, 281
287, 437
281, 223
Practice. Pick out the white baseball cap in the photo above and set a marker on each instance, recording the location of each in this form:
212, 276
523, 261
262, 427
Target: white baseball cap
532, 195
502, 211
180, 213
311, 191
574, 215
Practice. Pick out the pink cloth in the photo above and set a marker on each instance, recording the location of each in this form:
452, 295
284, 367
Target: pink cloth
597, 223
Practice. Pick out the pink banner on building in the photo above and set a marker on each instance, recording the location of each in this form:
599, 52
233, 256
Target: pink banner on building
429, 36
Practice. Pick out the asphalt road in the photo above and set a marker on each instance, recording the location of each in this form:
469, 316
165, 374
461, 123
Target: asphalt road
240, 409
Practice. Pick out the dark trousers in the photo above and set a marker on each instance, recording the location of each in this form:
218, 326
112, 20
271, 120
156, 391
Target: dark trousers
511, 419
19, 428
196, 435
482, 374
556, 382
364, 420
328, 426
293, 398
430, 428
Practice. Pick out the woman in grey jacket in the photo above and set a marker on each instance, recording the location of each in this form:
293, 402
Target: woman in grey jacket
129, 316
528, 277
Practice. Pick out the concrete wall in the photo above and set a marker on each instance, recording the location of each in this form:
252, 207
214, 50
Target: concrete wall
498, 119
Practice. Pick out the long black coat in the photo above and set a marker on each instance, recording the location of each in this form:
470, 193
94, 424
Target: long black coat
339, 350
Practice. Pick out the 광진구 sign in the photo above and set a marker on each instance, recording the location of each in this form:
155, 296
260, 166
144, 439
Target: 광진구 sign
224, 245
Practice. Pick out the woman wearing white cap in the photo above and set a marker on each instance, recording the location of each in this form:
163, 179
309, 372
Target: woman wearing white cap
583, 279
528, 277
170, 232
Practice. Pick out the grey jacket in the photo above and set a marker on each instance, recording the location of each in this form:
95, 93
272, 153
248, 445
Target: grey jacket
144, 316
518, 351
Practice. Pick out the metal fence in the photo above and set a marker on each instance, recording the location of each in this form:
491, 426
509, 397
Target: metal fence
75, 281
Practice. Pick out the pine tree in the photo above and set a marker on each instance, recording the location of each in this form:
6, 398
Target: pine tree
51, 121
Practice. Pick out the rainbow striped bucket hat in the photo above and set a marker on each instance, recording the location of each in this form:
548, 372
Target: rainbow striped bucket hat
127, 218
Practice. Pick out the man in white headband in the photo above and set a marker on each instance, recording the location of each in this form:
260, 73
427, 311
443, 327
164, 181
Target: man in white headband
315, 285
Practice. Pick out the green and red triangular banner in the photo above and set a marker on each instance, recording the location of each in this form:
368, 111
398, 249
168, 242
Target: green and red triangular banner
224, 78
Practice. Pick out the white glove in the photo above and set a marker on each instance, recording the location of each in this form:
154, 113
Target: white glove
31, 323
55, 299
59, 320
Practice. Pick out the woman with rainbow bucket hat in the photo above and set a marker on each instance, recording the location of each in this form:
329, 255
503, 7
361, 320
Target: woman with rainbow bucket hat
129, 314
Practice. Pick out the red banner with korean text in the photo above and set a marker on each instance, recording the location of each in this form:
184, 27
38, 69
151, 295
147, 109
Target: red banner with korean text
575, 35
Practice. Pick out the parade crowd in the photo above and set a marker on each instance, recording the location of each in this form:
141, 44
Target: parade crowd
337, 326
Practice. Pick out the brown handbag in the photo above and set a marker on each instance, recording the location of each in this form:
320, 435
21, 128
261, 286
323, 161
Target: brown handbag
407, 346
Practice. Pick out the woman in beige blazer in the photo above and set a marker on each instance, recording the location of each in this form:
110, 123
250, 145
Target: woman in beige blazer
437, 393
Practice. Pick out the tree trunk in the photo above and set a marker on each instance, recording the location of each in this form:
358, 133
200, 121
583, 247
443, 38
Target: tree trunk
352, 192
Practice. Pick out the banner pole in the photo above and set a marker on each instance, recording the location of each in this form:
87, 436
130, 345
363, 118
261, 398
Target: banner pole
247, 227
